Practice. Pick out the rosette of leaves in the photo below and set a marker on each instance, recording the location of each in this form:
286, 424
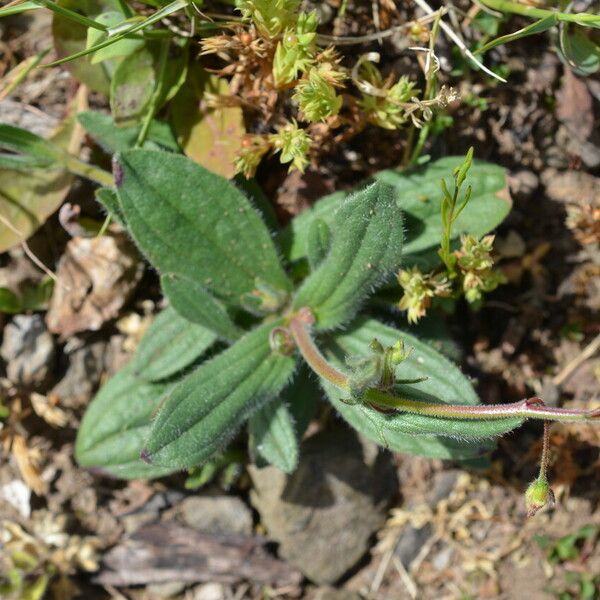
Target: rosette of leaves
224, 355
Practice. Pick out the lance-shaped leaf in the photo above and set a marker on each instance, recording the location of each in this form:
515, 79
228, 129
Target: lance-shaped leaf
273, 435
277, 429
194, 303
419, 196
207, 407
191, 222
170, 344
116, 424
416, 434
366, 247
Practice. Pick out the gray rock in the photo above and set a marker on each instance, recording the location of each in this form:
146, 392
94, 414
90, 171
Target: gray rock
324, 514
217, 514
442, 559
86, 365
410, 543
442, 485
28, 349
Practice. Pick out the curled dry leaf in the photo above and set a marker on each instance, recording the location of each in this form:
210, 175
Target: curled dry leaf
96, 278
27, 462
45, 407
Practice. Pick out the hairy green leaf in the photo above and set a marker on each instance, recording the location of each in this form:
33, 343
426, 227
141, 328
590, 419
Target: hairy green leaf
116, 424
196, 304
170, 344
416, 434
273, 435
419, 196
114, 139
207, 407
194, 223
366, 246
318, 242
110, 201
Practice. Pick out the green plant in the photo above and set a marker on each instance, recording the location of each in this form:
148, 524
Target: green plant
578, 42
242, 332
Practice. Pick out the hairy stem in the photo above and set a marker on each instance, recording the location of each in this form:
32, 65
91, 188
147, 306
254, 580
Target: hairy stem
300, 324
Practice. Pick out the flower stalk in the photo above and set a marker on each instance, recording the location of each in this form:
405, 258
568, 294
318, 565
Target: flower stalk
300, 324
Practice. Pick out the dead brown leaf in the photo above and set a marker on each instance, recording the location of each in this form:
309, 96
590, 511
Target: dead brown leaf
96, 278
574, 106
28, 465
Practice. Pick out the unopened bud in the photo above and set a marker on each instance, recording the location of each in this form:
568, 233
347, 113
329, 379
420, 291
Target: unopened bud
538, 494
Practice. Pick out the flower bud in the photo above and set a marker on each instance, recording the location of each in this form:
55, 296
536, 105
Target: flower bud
538, 494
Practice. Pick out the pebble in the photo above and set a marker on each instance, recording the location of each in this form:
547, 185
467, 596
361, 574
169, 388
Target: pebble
217, 514
28, 350
324, 514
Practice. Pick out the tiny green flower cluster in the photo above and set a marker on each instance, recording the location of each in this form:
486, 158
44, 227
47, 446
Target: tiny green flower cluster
474, 277
291, 141
316, 79
271, 17
387, 110
476, 264
419, 290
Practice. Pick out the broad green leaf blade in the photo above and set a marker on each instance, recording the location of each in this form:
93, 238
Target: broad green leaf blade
70, 38
581, 52
211, 137
125, 47
114, 139
170, 344
533, 29
207, 407
116, 424
301, 398
442, 438
192, 222
273, 435
419, 196
135, 26
195, 304
109, 199
132, 86
366, 247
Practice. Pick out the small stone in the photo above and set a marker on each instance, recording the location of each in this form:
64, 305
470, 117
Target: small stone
324, 515
86, 365
442, 485
523, 183
442, 559
209, 591
410, 543
217, 514
28, 350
